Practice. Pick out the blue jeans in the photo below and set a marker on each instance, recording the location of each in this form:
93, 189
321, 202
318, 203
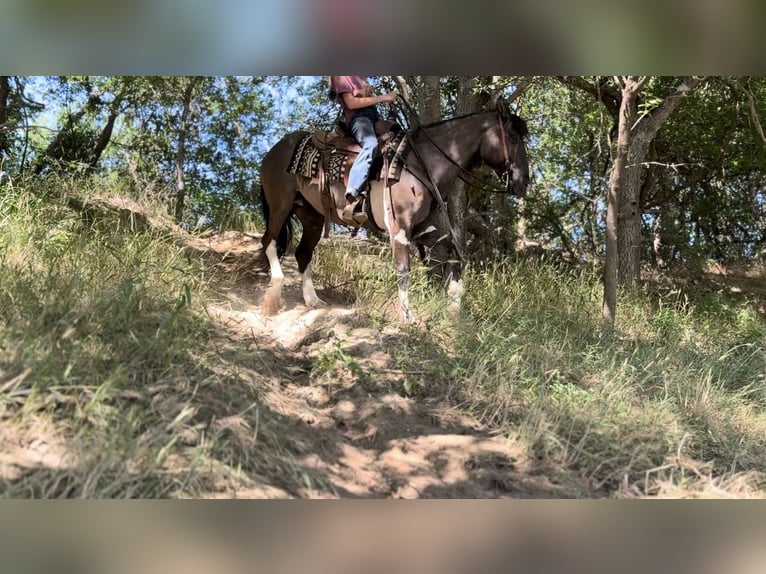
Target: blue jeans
363, 130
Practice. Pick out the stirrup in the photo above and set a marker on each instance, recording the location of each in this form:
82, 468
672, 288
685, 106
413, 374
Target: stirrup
354, 211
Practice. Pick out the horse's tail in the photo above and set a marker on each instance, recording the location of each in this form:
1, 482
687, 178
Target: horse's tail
284, 238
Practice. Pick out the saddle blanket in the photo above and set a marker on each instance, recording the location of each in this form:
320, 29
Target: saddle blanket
307, 158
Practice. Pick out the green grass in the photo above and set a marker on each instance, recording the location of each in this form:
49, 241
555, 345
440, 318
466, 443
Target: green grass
105, 342
674, 400
106, 346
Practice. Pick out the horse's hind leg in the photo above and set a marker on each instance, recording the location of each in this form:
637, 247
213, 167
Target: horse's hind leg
453, 270
312, 222
275, 240
272, 299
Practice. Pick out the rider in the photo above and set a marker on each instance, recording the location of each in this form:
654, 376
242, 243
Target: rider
359, 104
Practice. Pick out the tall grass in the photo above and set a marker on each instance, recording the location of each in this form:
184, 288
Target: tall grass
105, 342
674, 401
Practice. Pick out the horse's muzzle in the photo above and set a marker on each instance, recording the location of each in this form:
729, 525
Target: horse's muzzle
516, 186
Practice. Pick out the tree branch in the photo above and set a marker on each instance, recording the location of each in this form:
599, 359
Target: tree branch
754, 115
658, 115
603, 92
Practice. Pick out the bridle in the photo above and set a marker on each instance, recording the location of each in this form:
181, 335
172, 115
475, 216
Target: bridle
506, 177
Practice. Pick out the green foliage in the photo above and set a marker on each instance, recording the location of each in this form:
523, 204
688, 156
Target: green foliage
711, 197
569, 154
702, 198
331, 366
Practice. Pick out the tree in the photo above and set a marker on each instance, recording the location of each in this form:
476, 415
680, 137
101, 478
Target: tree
5, 93
80, 142
635, 134
706, 200
620, 194
187, 86
433, 97
194, 142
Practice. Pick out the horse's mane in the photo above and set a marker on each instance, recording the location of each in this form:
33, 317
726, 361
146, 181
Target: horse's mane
518, 124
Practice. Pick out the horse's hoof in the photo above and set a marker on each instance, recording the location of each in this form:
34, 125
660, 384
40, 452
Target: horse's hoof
409, 316
270, 307
271, 303
453, 309
314, 303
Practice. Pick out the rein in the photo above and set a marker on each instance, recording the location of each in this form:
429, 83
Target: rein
464, 174
437, 194
507, 173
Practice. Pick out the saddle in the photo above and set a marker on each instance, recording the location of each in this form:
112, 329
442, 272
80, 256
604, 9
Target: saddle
328, 155
340, 139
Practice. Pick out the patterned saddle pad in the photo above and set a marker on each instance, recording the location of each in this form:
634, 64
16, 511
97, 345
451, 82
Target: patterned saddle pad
336, 161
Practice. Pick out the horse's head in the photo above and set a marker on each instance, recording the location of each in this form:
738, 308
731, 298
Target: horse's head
505, 150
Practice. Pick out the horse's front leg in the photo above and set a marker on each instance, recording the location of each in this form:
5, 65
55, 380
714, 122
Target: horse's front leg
453, 269
401, 248
450, 265
312, 222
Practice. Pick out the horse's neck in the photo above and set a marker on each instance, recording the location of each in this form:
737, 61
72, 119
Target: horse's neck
458, 139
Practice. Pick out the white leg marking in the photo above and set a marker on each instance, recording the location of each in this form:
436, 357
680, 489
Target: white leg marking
404, 303
401, 237
454, 295
276, 268
408, 315
272, 299
310, 296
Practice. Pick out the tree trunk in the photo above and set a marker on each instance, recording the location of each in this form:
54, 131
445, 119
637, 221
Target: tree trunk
642, 134
457, 195
618, 197
431, 99
629, 210
624, 210
106, 133
183, 130
5, 93
423, 93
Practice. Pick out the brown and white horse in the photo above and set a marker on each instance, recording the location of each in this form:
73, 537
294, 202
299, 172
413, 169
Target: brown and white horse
407, 209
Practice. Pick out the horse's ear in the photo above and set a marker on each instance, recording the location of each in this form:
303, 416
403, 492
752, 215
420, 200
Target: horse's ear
502, 107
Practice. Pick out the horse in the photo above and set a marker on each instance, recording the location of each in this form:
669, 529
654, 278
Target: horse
410, 208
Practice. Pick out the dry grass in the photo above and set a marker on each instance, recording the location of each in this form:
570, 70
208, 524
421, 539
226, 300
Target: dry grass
672, 406
115, 381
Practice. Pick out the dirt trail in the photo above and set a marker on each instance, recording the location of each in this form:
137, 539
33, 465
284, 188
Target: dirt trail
342, 411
